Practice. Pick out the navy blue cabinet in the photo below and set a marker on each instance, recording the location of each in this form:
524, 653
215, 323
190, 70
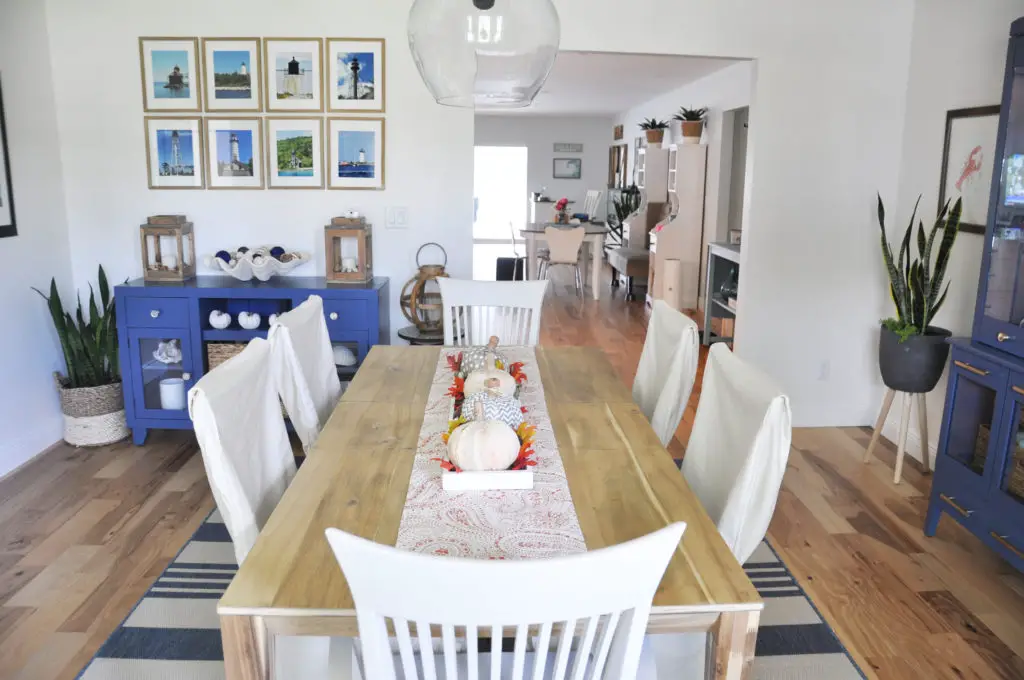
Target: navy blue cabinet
979, 472
165, 333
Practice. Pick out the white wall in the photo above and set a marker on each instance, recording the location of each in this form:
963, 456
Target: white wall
429, 154
539, 134
942, 79
30, 417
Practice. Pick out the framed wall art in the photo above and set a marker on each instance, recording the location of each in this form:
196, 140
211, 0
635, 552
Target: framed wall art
234, 153
355, 153
294, 74
8, 223
174, 152
232, 74
170, 74
568, 168
968, 157
295, 153
355, 74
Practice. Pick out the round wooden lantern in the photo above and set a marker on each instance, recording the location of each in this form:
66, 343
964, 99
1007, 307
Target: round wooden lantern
421, 296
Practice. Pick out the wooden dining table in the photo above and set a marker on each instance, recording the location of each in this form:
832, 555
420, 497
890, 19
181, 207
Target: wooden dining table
623, 483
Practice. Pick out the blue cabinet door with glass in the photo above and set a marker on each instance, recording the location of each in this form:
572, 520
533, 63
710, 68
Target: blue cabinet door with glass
161, 372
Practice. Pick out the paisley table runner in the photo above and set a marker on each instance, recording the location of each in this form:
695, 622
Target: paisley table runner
489, 524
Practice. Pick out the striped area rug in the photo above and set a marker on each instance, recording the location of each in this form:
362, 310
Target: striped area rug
173, 632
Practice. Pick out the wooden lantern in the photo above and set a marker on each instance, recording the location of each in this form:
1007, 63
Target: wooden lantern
348, 243
420, 298
168, 249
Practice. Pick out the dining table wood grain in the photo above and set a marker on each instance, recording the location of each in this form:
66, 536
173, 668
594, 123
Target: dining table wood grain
623, 483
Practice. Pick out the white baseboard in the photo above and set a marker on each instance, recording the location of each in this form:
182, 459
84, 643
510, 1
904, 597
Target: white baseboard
891, 431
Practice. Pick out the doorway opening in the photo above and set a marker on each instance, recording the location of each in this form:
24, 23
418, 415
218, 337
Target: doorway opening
499, 206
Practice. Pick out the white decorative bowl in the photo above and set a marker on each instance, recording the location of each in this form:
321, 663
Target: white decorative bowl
257, 263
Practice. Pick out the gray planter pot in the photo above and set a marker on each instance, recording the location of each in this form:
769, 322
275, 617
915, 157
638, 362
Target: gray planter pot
916, 364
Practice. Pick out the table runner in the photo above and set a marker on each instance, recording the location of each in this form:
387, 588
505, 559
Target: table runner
531, 524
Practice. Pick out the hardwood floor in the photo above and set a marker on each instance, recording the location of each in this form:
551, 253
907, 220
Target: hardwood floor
83, 533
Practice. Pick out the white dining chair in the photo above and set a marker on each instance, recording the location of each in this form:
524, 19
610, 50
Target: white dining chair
592, 203
564, 246
476, 310
303, 360
578, 605
667, 369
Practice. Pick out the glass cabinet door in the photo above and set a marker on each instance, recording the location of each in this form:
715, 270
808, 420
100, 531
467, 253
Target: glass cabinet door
161, 372
973, 421
1010, 475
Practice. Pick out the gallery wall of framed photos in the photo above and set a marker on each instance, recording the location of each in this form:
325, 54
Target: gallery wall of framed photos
252, 113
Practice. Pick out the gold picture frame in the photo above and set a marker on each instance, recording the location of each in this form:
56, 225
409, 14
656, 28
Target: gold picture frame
272, 104
255, 125
153, 100
375, 125
198, 149
271, 154
255, 78
353, 105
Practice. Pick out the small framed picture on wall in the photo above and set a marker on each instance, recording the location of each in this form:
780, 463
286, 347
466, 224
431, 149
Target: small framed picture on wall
968, 156
568, 168
174, 152
8, 224
294, 74
234, 153
355, 74
232, 74
295, 153
355, 153
170, 74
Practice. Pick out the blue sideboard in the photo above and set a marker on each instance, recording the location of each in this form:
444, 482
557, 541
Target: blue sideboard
156, 321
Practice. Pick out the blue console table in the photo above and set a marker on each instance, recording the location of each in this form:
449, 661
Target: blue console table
176, 315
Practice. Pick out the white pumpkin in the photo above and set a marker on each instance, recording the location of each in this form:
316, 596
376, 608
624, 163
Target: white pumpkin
479, 358
483, 445
490, 378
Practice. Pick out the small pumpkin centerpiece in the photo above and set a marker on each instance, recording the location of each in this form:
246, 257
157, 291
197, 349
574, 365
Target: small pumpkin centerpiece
496, 406
485, 368
483, 444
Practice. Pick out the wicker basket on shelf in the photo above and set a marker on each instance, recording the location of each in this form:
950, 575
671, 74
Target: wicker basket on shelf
219, 352
1015, 477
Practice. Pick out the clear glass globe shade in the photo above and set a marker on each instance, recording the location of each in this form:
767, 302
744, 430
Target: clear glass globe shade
484, 53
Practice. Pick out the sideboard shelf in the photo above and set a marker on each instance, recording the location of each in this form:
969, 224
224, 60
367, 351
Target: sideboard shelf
154, 314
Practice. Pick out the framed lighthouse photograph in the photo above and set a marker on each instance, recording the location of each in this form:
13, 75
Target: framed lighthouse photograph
174, 152
234, 153
295, 153
294, 68
355, 153
170, 74
232, 75
355, 75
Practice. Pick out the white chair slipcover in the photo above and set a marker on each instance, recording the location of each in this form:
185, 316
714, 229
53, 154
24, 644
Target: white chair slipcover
304, 362
667, 369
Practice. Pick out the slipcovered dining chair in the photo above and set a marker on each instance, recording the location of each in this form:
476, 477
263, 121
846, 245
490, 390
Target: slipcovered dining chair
303, 361
564, 247
735, 462
473, 596
476, 310
592, 203
667, 369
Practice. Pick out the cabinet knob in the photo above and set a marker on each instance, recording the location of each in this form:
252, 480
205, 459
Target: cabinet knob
334, 316
154, 313
1003, 337
186, 376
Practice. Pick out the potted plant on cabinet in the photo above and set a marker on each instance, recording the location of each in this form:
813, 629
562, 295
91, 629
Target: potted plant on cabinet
911, 352
655, 130
692, 123
91, 397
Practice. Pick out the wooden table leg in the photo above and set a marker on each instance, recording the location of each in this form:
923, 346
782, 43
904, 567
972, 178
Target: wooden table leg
731, 645
531, 256
246, 648
597, 257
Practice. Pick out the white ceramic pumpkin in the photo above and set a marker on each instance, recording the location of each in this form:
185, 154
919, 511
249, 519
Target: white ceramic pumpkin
483, 445
490, 378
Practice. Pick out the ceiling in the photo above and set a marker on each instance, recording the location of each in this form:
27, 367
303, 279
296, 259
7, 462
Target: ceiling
604, 83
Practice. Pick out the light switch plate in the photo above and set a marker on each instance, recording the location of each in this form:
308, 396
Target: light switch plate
397, 218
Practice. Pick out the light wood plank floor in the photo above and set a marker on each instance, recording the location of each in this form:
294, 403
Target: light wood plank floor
83, 533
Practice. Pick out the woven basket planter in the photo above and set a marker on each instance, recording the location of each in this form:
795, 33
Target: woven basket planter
93, 416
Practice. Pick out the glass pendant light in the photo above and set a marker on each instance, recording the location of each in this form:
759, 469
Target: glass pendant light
484, 53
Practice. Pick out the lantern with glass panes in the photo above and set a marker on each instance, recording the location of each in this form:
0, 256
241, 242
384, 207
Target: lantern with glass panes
168, 249
348, 244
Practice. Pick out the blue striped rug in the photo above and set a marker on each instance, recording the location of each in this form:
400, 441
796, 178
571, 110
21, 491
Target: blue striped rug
173, 632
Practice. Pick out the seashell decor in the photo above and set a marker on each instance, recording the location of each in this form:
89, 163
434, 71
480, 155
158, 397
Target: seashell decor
264, 262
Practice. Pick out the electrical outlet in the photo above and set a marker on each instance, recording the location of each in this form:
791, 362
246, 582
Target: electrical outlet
397, 218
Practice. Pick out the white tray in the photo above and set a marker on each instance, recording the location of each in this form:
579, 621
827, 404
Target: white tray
501, 480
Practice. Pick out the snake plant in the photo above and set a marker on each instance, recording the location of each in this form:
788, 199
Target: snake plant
915, 283
90, 347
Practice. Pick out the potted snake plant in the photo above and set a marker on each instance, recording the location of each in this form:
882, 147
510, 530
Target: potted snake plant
655, 130
691, 122
91, 397
912, 352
